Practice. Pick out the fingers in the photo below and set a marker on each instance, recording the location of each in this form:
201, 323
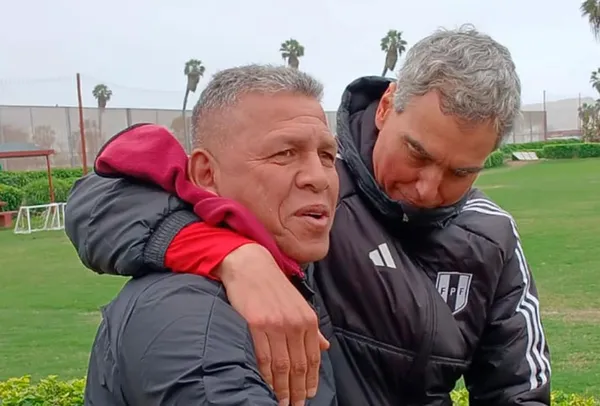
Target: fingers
323, 343
280, 367
312, 343
262, 349
298, 366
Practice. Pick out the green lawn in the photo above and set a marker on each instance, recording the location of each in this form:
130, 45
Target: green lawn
49, 302
557, 208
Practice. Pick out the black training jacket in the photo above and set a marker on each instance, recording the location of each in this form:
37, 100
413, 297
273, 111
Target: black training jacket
167, 338
417, 298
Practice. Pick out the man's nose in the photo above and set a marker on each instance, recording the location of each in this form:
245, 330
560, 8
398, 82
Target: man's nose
313, 174
428, 185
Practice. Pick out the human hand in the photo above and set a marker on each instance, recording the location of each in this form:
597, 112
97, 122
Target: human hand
284, 327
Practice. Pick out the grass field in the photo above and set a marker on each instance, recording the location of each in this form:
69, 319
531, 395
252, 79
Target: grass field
49, 302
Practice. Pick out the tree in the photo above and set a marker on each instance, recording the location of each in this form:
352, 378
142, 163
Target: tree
590, 9
44, 136
10, 134
291, 52
193, 70
394, 46
93, 140
595, 80
102, 94
589, 114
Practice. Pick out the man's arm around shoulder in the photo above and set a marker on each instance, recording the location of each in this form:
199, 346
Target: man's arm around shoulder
185, 345
118, 225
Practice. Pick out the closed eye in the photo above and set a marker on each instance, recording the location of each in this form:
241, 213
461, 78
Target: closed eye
461, 174
416, 154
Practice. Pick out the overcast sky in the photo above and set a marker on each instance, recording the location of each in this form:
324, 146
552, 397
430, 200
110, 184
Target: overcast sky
139, 47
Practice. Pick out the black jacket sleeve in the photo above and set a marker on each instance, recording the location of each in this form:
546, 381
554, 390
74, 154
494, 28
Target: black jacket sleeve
511, 366
182, 346
118, 226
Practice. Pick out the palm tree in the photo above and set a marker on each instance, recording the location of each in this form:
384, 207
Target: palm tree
193, 70
291, 52
394, 46
102, 94
595, 80
590, 9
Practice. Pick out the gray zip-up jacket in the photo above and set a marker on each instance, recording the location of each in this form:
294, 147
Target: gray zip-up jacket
166, 339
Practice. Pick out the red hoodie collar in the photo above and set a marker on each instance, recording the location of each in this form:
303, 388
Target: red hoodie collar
150, 153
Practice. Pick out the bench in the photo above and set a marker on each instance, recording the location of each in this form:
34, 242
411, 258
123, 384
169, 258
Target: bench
525, 156
6, 218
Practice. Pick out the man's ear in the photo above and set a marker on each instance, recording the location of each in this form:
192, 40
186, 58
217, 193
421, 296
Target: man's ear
201, 169
386, 105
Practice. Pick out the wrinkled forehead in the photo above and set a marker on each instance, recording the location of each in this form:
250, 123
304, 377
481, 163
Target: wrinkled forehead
286, 117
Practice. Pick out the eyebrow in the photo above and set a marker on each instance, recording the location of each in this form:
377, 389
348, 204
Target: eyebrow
421, 150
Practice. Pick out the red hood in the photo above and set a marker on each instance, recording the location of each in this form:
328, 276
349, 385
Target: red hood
152, 154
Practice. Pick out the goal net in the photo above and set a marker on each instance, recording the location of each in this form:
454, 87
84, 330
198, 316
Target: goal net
43, 217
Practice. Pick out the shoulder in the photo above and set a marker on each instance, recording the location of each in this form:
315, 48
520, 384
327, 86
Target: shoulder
182, 340
482, 217
182, 309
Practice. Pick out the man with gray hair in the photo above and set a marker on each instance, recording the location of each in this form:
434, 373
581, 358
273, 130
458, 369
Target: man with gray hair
174, 339
425, 281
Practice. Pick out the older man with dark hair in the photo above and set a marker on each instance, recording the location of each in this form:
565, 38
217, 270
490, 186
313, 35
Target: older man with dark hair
425, 281
172, 339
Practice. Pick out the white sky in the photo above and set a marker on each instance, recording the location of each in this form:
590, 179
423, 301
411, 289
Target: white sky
138, 47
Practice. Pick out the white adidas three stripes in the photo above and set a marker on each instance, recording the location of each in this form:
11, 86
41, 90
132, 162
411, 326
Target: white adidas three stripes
528, 306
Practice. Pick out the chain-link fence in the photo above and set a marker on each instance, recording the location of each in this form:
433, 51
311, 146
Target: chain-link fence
58, 128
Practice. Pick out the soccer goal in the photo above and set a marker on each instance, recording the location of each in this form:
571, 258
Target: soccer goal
42, 217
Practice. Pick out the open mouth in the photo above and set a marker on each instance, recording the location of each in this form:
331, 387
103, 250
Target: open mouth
314, 213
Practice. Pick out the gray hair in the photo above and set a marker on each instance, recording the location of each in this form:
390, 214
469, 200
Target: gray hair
474, 75
227, 86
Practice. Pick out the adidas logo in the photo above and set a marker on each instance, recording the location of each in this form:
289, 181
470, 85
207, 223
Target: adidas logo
381, 256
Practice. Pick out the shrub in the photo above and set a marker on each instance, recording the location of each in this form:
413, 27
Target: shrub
11, 195
568, 151
22, 178
71, 181
589, 150
53, 392
38, 192
47, 392
531, 146
461, 398
15, 179
495, 159
538, 152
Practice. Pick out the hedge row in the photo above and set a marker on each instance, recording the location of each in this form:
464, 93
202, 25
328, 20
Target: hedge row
31, 187
569, 151
495, 159
34, 193
53, 392
21, 178
532, 146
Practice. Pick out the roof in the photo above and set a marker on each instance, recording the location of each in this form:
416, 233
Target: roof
22, 150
